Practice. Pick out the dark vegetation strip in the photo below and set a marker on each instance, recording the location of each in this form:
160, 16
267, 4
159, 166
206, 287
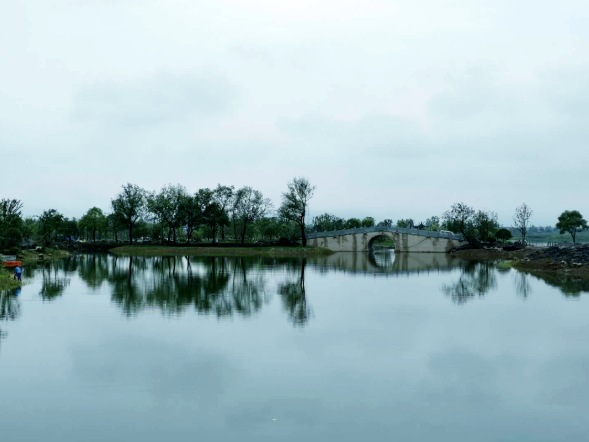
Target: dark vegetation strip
31, 256
222, 251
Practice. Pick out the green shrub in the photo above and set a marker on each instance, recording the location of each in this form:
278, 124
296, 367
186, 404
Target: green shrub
503, 235
504, 265
14, 251
12, 238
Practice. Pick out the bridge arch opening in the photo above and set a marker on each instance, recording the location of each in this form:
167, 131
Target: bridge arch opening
383, 241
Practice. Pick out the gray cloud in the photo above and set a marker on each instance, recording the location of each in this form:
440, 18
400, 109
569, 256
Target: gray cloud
157, 100
378, 103
369, 135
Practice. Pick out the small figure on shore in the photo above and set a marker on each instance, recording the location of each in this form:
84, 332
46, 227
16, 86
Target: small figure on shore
17, 273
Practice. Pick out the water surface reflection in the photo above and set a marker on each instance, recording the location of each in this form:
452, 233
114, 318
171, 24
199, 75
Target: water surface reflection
347, 347
476, 280
569, 286
294, 298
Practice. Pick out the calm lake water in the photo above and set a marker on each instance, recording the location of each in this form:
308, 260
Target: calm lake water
351, 347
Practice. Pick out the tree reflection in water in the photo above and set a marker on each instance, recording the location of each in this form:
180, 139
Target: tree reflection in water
294, 298
52, 285
220, 285
569, 286
246, 294
522, 285
93, 270
477, 279
9, 305
126, 292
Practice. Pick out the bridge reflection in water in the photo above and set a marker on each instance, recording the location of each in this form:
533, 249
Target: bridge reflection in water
387, 262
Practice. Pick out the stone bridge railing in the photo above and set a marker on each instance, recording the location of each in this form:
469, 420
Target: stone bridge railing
415, 232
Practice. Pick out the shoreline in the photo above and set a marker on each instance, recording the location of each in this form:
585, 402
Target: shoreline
486, 254
32, 257
7, 282
552, 267
523, 260
269, 252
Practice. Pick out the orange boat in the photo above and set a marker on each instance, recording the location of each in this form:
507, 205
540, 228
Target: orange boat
13, 264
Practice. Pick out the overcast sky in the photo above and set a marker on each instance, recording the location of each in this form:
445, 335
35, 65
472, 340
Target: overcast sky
393, 108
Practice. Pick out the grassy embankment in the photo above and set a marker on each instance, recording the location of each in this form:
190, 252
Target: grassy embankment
7, 281
484, 254
31, 257
270, 252
550, 267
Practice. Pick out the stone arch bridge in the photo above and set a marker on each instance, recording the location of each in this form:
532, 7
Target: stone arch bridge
406, 240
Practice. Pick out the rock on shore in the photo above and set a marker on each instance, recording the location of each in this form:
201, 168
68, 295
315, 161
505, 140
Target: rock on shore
573, 255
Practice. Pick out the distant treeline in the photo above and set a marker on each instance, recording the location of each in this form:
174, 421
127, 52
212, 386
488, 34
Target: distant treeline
478, 227
174, 215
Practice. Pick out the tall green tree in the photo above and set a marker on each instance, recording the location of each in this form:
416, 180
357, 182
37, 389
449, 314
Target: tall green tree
503, 235
295, 203
368, 222
405, 223
475, 226
49, 222
29, 229
353, 223
10, 214
215, 218
571, 221
94, 220
251, 206
269, 227
193, 214
461, 218
12, 237
129, 205
70, 229
168, 205
486, 225
213, 214
224, 197
328, 223
433, 224
114, 223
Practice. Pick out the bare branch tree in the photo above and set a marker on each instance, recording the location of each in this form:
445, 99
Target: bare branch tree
521, 220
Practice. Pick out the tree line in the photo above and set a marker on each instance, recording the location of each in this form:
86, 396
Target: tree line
224, 213
172, 214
